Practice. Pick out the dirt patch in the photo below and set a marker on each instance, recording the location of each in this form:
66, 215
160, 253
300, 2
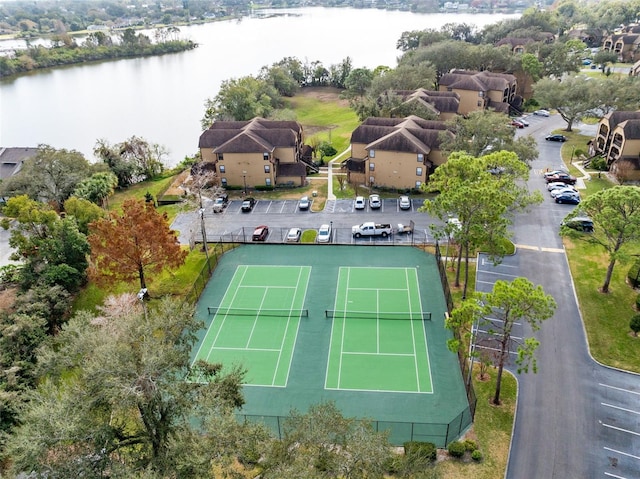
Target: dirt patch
324, 94
175, 188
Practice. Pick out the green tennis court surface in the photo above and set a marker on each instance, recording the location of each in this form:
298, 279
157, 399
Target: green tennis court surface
257, 322
369, 351
360, 326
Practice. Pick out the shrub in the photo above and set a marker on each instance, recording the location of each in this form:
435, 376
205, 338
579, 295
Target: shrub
634, 324
638, 302
456, 449
599, 163
476, 455
420, 450
633, 275
263, 188
470, 445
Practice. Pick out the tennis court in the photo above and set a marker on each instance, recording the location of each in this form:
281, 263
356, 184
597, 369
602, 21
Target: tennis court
257, 322
360, 326
378, 339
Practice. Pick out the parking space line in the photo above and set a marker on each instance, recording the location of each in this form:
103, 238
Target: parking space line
502, 321
619, 389
493, 349
620, 429
622, 453
614, 475
484, 271
497, 334
620, 408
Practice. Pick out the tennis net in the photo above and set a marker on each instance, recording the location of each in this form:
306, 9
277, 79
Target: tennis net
280, 313
332, 313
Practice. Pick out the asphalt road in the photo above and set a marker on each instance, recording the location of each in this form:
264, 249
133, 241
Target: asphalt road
575, 418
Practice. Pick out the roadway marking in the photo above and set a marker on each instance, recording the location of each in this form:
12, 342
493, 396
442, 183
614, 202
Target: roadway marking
620, 429
620, 408
540, 248
614, 476
619, 389
499, 274
623, 453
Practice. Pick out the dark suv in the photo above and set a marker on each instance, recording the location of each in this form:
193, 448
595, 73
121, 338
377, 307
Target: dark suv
248, 204
579, 223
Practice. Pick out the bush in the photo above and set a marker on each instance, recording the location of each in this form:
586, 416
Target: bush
476, 455
634, 324
470, 445
633, 275
420, 450
456, 449
263, 188
638, 302
598, 163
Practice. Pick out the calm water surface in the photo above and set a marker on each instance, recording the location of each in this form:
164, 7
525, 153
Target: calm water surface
162, 98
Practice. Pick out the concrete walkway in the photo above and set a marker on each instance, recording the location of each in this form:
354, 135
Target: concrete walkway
330, 195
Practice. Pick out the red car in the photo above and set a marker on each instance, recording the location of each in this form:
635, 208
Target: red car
517, 124
261, 233
561, 178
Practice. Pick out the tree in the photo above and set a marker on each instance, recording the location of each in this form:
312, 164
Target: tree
604, 58
616, 93
479, 200
133, 244
50, 176
241, 99
83, 212
97, 188
486, 131
634, 324
146, 157
52, 249
132, 403
509, 303
616, 218
572, 97
326, 149
323, 443
358, 81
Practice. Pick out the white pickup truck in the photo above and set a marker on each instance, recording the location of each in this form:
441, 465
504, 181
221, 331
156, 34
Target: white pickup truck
371, 229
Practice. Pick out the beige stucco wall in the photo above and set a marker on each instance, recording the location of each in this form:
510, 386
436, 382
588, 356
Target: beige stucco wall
468, 100
396, 169
630, 147
247, 165
496, 96
286, 155
296, 180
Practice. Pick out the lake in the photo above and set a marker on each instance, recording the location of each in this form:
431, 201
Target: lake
162, 98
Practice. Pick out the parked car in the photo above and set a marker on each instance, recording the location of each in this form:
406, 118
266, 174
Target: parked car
404, 202
541, 113
293, 236
261, 233
579, 223
562, 178
304, 203
561, 138
359, 204
561, 191
517, 123
248, 204
324, 234
220, 203
586, 61
555, 185
570, 198
374, 202
523, 120
553, 172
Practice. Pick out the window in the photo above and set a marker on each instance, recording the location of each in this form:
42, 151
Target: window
372, 153
418, 171
372, 167
220, 157
420, 158
222, 169
224, 181
267, 168
418, 184
265, 156
267, 181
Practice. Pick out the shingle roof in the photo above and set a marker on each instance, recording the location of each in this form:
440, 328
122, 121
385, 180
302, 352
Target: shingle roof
251, 136
411, 134
631, 129
477, 81
616, 117
11, 160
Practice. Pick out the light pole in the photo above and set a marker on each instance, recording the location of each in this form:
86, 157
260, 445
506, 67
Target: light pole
244, 181
331, 229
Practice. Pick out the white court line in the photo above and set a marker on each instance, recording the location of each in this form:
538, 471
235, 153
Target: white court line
620, 429
362, 353
623, 453
619, 389
221, 348
620, 408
